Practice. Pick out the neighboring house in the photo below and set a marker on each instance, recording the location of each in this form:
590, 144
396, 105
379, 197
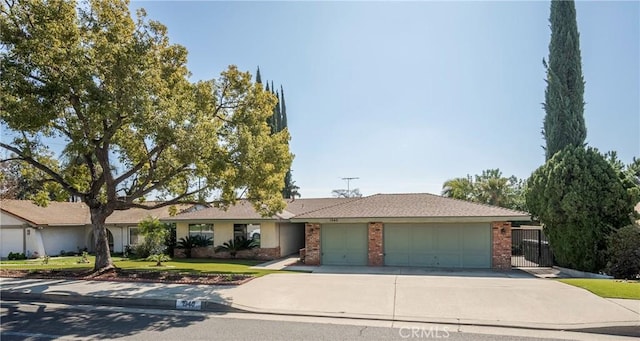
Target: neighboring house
64, 226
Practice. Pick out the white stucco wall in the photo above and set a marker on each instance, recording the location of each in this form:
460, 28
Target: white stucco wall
222, 232
33, 242
11, 240
7, 220
291, 238
269, 235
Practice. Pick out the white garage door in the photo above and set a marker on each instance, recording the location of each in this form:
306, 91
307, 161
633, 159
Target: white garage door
11, 240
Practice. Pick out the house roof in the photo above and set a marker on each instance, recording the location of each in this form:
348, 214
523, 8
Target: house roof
56, 213
74, 214
300, 206
135, 215
416, 206
411, 205
243, 210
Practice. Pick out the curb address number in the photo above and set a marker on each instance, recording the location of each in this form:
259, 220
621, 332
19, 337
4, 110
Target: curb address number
189, 304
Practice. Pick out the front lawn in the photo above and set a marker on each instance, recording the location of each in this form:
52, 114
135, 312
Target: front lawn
204, 266
609, 288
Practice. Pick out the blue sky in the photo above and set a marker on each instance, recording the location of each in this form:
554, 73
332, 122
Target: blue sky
405, 95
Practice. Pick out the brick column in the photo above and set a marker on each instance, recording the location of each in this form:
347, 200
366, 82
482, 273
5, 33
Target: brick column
312, 244
501, 248
376, 248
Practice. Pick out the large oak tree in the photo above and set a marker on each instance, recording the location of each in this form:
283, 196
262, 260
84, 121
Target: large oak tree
117, 94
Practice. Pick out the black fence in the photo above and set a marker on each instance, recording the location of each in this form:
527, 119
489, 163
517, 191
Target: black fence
530, 248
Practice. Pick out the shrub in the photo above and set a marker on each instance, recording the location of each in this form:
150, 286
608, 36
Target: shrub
235, 245
154, 233
189, 242
580, 200
16, 256
624, 253
142, 250
159, 258
84, 258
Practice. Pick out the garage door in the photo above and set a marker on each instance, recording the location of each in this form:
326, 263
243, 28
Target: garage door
11, 240
446, 245
344, 244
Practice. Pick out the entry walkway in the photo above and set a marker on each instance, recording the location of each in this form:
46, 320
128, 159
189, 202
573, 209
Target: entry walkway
278, 264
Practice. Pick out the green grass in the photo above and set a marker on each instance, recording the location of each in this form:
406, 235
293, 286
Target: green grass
226, 266
609, 288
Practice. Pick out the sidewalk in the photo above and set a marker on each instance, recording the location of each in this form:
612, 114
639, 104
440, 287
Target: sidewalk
473, 300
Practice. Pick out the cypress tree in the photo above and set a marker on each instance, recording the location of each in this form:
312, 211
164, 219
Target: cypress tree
278, 114
270, 119
258, 78
283, 109
564, 103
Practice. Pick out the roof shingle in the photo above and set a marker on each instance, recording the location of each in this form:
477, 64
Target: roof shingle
75, 213
410, 205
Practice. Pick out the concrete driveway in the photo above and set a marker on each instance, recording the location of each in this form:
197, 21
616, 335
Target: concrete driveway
492, 300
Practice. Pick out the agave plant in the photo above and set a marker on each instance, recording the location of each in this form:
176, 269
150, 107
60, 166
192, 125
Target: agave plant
237, 244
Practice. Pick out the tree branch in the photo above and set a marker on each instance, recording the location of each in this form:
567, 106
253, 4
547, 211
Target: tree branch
55, 176
156, 150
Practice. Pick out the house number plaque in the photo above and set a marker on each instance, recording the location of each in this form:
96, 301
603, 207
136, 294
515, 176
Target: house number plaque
188, 304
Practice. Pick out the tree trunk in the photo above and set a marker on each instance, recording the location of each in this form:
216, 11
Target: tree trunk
103, 254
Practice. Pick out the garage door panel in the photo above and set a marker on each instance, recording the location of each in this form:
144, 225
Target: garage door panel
475, 260
449, 260
444, 245
421, 259
344, 244
447, 239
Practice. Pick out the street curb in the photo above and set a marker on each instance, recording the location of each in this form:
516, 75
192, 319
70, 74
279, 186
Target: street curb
580, 274
157, 303
625, 328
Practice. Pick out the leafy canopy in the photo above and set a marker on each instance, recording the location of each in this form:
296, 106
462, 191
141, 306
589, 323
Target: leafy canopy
116, 93
490, 188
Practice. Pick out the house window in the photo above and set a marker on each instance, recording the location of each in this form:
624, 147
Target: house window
134, 235
204, 230
253, 232
239, 231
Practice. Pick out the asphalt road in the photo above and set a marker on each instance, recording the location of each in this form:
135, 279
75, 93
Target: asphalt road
41, 321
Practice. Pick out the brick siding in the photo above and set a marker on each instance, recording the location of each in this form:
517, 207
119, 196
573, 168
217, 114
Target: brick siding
312, 244
501, 248
376, 247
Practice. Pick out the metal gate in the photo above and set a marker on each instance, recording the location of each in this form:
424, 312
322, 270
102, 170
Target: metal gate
530, 249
